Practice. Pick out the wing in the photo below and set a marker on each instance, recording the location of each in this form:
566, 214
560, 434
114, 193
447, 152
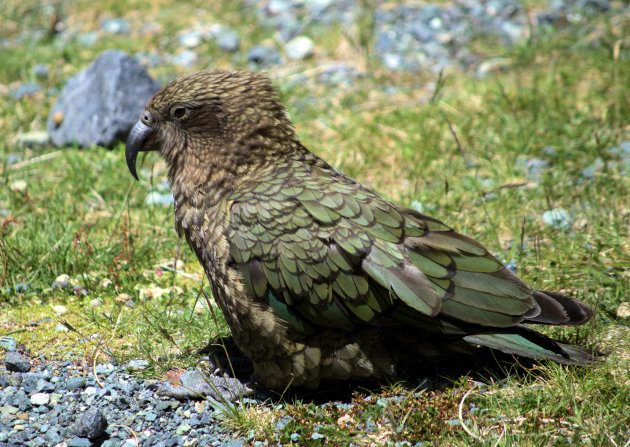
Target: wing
322, 250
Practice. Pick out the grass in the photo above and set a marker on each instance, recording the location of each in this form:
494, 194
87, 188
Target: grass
564, 98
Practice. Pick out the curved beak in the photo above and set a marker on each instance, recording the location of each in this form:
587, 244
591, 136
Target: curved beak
135, 143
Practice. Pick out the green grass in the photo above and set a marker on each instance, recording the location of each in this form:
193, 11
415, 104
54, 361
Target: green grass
83, 215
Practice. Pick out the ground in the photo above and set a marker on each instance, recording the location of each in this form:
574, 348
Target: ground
531, 157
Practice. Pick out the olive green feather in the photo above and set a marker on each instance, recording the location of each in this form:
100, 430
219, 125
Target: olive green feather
319, 277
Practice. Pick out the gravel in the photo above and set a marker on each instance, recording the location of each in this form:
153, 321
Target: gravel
424, 36
48, 403
228, 41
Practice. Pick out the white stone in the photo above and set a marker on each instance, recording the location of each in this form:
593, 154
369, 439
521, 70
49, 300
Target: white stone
623, 311
19, 186
60, 310
40, 398
299, 48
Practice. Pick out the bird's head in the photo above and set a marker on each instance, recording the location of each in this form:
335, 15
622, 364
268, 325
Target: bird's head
212, 122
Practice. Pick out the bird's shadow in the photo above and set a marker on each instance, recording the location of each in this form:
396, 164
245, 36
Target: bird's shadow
485, 366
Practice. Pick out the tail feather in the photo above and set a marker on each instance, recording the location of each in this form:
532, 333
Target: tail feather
526, 342
557, 309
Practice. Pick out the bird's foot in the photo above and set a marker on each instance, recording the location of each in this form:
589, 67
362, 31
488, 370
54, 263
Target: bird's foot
196, 385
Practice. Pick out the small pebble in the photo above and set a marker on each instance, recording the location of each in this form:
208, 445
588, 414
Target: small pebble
19, 186
87, 39
558, 218
592, 170
623, 311
190, 39
60, 310
300, 47
41, 71
45, 386
75, 383
511, 266
122, 298
264, 56
40, 399
61, 328
138, 364
115, 26
30, 88
80, 291
79, 442
185, 59
13, 158
61, 282
228, 41
34, 139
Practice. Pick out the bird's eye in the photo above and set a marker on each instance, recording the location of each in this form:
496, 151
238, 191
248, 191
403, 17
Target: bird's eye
179, 112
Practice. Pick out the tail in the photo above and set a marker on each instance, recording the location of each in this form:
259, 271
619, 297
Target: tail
550, 308
557, 309
522, 341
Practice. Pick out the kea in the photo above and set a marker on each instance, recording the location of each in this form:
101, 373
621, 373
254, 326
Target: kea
321, 279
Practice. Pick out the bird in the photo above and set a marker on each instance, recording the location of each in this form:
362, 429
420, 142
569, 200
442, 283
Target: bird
320, 279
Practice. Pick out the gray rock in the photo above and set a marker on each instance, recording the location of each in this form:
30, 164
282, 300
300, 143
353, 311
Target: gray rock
13, 380
99, 105
91, 424
8, 343
228, 41
594, 5
41, 71
45, 385
79, 442
14, 361
264, 56
163, 405
30, 88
